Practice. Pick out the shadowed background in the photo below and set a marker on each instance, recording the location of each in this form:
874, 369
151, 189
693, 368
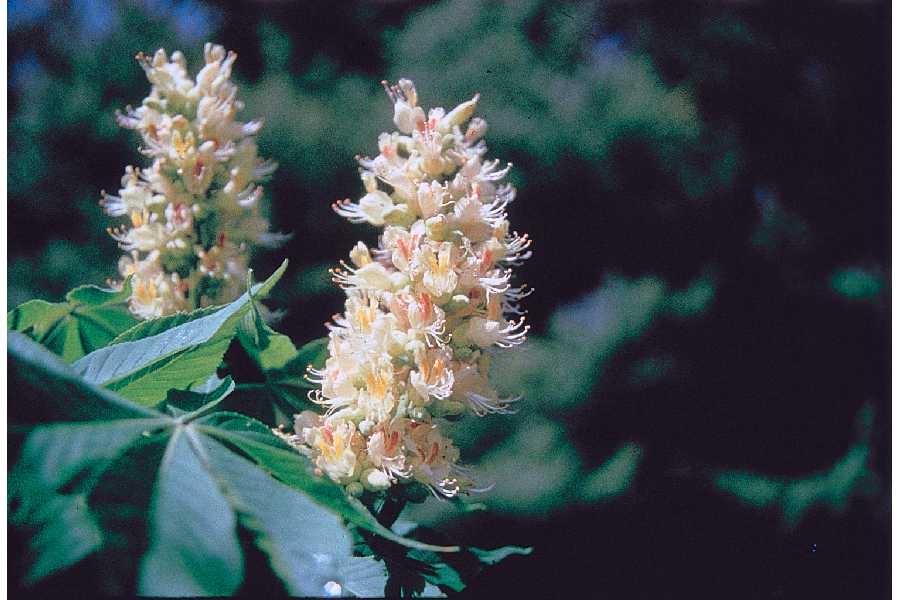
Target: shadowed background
706, 391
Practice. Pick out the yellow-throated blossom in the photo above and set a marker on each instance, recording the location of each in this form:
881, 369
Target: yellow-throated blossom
423, 309
193, 215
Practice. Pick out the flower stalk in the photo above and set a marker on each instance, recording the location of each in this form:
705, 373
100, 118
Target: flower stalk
424, 309
193, 216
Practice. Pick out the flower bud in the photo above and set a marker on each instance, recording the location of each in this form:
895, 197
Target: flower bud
375, 480
409, 91
360, 255
460, 114
374, 205
399, 214
447, 408
436, 228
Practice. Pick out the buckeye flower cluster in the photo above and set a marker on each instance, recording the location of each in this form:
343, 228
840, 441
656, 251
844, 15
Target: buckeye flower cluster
193, 215
423, 309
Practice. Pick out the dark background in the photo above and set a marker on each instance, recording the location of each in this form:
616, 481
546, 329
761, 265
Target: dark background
706, 394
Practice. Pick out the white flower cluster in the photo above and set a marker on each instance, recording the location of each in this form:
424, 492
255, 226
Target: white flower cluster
422, 309
194, 213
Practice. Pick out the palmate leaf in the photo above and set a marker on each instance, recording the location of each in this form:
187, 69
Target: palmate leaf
59, 463
153, 326
145, 369
312, 354
63, 535
283, 391
428, 575
89, 319
83, 487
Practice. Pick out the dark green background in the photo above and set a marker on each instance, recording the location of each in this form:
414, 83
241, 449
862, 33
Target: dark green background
706, 405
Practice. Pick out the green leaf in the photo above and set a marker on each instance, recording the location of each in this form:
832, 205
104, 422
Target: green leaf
856, 283
145, 369
416, 572
307, 544
53, 388
56, 457
141, 484
492, 557
851, 475
268, 348
36, 318
199, 399
120, 502
154, 326
312, 354
201, 490
55, 454
194, 549
63, 535
364, 577
225, 422
281, 392
89, 319
284, 388
614, 476
296, 471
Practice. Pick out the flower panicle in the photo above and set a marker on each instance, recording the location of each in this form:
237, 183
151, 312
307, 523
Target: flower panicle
193, 216
424, 309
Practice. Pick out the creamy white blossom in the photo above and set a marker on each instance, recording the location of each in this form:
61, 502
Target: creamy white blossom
193, 215
423, 308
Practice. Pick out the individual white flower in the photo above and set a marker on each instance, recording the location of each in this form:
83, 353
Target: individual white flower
386, 450
440, 276
337, 450
434, 460
433, 379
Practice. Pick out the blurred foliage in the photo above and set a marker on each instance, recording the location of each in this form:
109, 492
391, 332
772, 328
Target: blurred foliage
834, 488
689, 419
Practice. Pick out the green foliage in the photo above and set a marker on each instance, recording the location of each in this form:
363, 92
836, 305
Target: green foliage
144, 369
422, 573
89, 319
56, 390
199, 399
851, 475
255, 440
191, 520
550, 101
614, 476
281, 366
161, 497
858, 284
